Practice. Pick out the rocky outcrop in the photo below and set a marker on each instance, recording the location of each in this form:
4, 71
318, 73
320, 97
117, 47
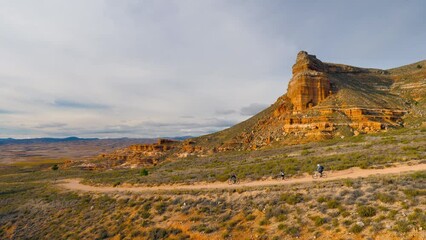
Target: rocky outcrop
324, 100
310, 84
138, 154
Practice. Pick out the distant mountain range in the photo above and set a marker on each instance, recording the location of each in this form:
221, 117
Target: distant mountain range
73, 139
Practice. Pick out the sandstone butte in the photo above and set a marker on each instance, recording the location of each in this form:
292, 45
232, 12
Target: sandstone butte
323, 100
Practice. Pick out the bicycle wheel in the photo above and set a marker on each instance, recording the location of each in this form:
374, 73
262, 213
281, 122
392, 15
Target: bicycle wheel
315, 175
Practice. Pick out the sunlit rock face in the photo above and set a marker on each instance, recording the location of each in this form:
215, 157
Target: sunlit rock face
310, 84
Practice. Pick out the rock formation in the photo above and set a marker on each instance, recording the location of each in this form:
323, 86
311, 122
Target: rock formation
323, 100
310, 84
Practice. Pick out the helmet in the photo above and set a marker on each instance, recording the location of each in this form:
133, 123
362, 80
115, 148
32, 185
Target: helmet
318, 165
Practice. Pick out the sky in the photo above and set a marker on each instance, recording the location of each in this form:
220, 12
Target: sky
179, 68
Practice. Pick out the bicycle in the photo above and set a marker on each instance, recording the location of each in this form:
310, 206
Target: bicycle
233, 181
283, 178
318, 175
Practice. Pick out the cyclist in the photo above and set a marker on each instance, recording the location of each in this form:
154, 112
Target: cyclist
233, 178
282, 174
320, 169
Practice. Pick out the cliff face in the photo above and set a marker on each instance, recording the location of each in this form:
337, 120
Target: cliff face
323, 100
310, 84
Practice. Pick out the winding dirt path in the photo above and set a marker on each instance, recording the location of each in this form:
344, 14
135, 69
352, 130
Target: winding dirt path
74, 184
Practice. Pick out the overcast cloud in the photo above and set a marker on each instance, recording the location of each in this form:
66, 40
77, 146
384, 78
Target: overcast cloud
172, 68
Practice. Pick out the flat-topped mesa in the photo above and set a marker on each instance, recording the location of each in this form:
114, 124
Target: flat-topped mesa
310, 84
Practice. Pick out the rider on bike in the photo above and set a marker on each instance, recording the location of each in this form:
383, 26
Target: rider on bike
233, 178
282, 174
320, 169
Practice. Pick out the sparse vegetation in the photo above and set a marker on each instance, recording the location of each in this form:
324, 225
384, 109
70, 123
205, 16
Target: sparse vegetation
383, 203
287, 209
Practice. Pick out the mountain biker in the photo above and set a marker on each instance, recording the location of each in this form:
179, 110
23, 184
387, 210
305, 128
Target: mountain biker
320, 169
233, 178
282, 174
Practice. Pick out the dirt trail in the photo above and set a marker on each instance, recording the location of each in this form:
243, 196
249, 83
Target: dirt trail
74, 184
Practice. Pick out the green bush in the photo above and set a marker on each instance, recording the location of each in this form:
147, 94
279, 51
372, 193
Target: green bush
292, 199
356, 228
264, 222
411, 192
322, 199
386, 198
319, 221
366, 211
333, 203
161, 207
293, 231
402, 226
144, 172
158, 233
145, 215
55, 167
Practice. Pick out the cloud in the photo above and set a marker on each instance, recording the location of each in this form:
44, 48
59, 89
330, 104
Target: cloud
97, 65
253, 109
187, 117
225, 112
61, 103
51, 125
3, 111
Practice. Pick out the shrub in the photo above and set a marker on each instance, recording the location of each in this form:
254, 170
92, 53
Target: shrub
319, 221
293, 231
145, 214
402, 226
356, 228
366, 211
418, 175
292, 199
250, 217
103, 234
158, 233
144, 172
322, 199
386, 198
348, 182
55, 167
419, 66
204, 228
161, 208
411, 192
264, 222
333, 203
